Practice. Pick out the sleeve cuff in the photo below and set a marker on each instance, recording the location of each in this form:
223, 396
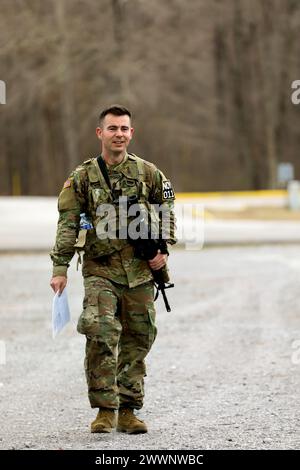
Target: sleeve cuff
60, 271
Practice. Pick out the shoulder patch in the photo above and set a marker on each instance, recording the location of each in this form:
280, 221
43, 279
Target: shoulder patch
167, 190
67, 184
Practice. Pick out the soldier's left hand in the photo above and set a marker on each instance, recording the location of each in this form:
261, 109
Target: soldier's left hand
159, 261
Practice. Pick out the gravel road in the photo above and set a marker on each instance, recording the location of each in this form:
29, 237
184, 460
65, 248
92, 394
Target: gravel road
224, 372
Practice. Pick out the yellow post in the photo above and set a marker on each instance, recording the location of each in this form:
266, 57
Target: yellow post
16, 184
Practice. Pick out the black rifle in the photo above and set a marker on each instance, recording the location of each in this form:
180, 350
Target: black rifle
146, 248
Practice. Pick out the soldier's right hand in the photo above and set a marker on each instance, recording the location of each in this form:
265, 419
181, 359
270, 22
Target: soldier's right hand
58, 283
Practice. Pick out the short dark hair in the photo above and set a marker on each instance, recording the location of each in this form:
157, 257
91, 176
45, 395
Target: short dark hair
116, 110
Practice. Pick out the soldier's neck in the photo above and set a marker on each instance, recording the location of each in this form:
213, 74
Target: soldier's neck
113, 158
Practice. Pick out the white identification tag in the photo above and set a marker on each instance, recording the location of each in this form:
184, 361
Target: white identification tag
168, 192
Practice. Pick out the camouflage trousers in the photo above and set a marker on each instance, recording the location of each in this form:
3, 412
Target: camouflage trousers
119, 324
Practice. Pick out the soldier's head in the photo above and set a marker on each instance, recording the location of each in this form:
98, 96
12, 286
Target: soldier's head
114, 130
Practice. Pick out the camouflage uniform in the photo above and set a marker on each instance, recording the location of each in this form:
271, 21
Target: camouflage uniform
118, 315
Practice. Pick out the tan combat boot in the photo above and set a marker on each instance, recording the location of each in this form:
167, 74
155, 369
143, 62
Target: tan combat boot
105, 421
128, 422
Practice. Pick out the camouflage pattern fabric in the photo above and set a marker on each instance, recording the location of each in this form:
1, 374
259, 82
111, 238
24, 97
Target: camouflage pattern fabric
119, 324
118, 317
82, 192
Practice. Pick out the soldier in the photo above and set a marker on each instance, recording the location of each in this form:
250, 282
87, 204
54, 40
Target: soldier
118, 317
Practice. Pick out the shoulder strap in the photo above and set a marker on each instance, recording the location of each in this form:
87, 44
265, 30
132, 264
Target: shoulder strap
104, 172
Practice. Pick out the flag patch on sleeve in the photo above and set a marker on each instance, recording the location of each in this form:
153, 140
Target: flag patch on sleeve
67, 184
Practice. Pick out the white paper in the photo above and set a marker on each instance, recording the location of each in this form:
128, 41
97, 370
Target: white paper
60, 312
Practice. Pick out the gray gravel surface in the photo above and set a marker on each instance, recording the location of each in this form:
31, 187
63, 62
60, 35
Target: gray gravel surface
224, 372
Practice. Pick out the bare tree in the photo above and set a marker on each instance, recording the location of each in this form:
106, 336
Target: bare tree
208, 83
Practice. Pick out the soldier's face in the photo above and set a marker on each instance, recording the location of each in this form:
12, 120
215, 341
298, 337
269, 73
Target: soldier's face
115, 133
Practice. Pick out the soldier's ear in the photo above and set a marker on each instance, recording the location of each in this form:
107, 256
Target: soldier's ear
99, 133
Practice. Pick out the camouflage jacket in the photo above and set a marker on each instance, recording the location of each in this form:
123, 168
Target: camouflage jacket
84, 191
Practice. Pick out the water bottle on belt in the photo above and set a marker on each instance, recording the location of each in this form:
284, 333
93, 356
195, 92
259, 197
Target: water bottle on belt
85, 223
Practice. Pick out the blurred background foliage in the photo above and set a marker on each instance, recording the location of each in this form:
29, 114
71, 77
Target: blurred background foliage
208, 82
